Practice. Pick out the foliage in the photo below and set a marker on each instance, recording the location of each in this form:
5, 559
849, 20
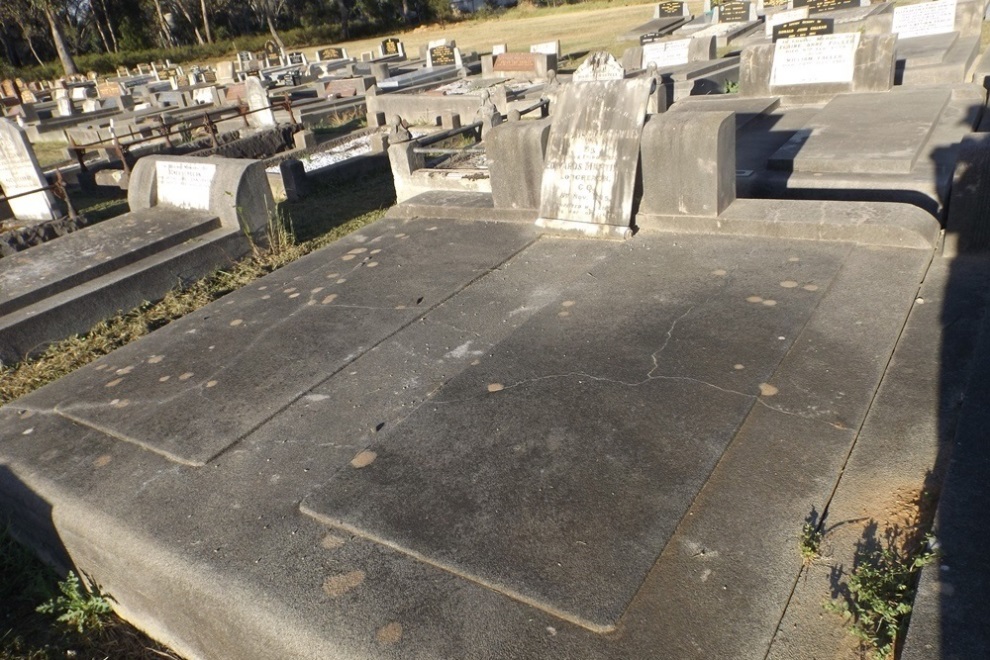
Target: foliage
880, 594
77, 607
810, 542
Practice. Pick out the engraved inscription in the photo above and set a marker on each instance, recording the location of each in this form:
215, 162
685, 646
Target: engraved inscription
666, 53
186, 185
828, 58
924, 19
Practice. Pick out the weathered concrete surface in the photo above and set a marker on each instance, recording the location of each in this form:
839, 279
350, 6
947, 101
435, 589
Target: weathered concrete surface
512, 441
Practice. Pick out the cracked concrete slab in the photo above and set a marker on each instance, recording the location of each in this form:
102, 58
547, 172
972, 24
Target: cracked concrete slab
403, 481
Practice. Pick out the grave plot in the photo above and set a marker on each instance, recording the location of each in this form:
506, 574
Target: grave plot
667, 17
188, 216
937, 42
459, 431
819, 118
727, 23
684, 67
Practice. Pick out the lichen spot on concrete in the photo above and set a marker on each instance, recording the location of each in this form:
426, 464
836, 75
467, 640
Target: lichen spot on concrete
766, 389
810, 287
236, 322
102, 461
100, 367
211, 383
28, 431
363, 459
124, 371
289, 290
317, 289
329, 299
719, 273
567, 303
338, 585
155, 359
347, 257
769, 303
738, 367
788, 284
186, 376
114, 383
375, 251
163, 379
358, 251
794, 259
390, 633
341, 280
563, 314
332, 542
496, 387
372, 264
754, 299
294, 295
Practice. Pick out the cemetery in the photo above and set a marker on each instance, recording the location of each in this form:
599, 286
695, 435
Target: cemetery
657, 347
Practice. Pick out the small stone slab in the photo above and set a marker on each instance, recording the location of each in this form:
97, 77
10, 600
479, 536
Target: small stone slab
592, 155
20, 173
558, 476
881, 133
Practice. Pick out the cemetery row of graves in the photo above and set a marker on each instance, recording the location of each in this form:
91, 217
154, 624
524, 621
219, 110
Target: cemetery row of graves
460, 432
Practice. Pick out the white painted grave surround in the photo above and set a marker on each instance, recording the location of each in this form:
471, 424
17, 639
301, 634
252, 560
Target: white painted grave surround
786, 16
827, 58
666, 53
186, 185
926, 18
546, 48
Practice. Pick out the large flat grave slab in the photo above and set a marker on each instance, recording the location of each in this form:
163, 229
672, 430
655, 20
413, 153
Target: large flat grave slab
478, 440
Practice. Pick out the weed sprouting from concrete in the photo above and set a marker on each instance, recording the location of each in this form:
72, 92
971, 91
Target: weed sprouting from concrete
78, 607
880, 593
810, 542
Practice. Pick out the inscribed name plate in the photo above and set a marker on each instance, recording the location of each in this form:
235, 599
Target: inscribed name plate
670, 10
733, 12
599, 66
830, 58
924, 19
804, 27
666, 53
593, 153
547, 48
786, 16
186, 185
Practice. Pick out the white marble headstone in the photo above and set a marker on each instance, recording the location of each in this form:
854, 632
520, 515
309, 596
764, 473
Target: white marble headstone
183, 184
926, 18
20, 173
827, 58
599, 66
666, 53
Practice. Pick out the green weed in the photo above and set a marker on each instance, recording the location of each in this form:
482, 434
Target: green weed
77, 607
810, 542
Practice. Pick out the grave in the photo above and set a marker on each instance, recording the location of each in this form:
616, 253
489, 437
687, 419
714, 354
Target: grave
457, 417
20, 174
937, 42
684, 67
728, 22
667, 17
188, 216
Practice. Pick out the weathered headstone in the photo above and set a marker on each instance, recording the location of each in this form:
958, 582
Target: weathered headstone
500, 49
819, 6
599, 66
735, 12
258, 103
20, 173
296, 58
815, 60
927, 18
805, 27
592, 156
273, 53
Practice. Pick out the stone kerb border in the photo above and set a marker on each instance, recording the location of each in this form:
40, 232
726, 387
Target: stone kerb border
235, 190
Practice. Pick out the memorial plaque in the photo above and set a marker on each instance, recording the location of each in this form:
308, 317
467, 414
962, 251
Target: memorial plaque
500, 49
186, 185
593, 153
829, 58
20, 173
924, 19
806, 27
296, 58
819, 6
441, 56
547, 48
666, 53
9, 88
272, 49
341, 88
209, 77
782, 17
258, 103
391, 46
777, 4
108, 90
332, 53
515, 62
733, 12
245, 56
670, 10
27, 96
599, 66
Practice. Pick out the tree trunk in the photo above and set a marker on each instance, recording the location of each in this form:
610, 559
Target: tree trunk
113, 35
163, 26
68, 65
345, 14
271, 28
99, 30
206, 21
192, 22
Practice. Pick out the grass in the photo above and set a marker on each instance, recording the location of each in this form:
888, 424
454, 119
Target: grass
72, 623
340, 123
51, 153
298, 229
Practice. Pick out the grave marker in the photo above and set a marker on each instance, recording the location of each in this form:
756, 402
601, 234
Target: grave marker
391, 47
806, 27
500, 49
671, 10
734, 12
257, 100
665, 54
296, 58
927, 18
183, 184
599, 66
443, 56
813, 60
592, 155
20, 173
547, 48
782, 17
331, 53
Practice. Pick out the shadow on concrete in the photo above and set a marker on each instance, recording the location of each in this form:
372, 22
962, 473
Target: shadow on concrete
28, 518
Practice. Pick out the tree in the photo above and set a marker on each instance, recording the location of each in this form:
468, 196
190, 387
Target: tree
267, 11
